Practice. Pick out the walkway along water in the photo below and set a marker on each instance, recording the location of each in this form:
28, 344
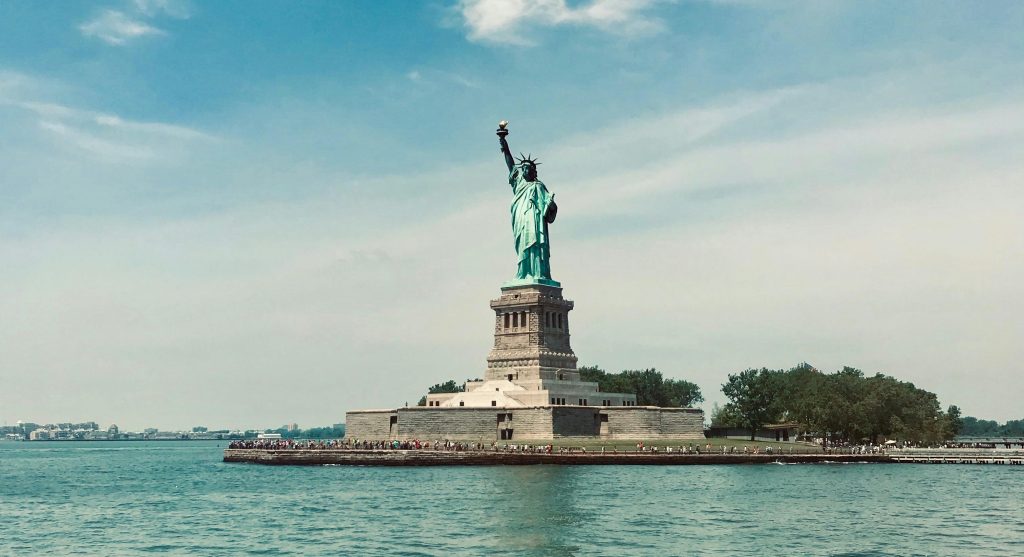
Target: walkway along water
484, 457
957, 456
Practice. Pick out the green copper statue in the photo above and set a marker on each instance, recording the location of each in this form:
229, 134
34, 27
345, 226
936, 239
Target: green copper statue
533, 208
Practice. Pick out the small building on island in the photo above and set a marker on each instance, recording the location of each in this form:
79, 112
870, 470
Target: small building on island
782, 433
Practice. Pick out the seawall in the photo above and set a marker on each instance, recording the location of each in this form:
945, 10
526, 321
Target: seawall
356, 457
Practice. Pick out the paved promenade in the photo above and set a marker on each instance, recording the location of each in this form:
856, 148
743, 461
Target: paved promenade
360, 457
958, 456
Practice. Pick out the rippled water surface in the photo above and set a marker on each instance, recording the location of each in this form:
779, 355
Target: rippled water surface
106, 498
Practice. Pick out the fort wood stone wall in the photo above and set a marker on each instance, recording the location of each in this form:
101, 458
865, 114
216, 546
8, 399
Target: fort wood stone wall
369, 424
643, 422
572, 421
533, 423
429, 424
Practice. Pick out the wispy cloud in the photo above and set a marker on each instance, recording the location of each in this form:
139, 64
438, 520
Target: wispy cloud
509, 21
428, 76
10, 82
93, 144
117, 28
107, 136
172, 8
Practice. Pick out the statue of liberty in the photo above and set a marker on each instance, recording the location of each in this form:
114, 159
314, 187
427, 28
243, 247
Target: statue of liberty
533, 208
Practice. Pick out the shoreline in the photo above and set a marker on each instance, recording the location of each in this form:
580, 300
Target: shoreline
412, 457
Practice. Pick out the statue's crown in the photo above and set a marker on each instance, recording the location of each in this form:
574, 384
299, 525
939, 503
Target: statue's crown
528, 159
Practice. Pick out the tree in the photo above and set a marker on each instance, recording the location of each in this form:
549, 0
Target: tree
723, 416
682, 393
954, 423
850, 408
593, 374
449, 386
847, 406
979, 428
332, 432
990, 428
754, 397
1013, 428
649, 385
885, 396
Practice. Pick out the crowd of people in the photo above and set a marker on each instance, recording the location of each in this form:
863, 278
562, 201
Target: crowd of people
449, 445
855, 449
286, 444
358, 444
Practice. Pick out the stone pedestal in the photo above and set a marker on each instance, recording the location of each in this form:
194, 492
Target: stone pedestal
531, 336
531, 362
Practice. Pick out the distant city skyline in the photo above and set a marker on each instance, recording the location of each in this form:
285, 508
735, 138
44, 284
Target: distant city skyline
239, 214
93, 431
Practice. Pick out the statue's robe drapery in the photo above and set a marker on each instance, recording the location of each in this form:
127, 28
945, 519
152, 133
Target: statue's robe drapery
530, 205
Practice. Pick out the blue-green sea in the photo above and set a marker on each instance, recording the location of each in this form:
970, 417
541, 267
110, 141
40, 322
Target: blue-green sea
108, 498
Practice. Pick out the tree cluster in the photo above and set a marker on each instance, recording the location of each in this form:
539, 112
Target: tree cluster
449, 386
649, 386
990, 428
845, 406
331, 432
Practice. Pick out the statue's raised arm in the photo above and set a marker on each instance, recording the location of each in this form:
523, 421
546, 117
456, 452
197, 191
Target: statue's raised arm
502, 132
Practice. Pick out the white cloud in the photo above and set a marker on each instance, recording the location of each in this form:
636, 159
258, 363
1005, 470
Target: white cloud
431, 76
784, 163
99, 136
116, 28
10, 82
95, 145
155, 128
461, 80
103, 119
509, 21
173, 8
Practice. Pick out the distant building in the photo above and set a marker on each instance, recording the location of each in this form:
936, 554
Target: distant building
771, 432
166, 435
62, 434
39, 435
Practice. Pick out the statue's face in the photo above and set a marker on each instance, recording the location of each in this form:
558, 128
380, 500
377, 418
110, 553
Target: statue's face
529, 172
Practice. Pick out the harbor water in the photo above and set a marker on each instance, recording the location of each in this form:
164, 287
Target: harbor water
178, 498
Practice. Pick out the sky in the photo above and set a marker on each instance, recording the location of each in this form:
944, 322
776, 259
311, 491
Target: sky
241, 215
